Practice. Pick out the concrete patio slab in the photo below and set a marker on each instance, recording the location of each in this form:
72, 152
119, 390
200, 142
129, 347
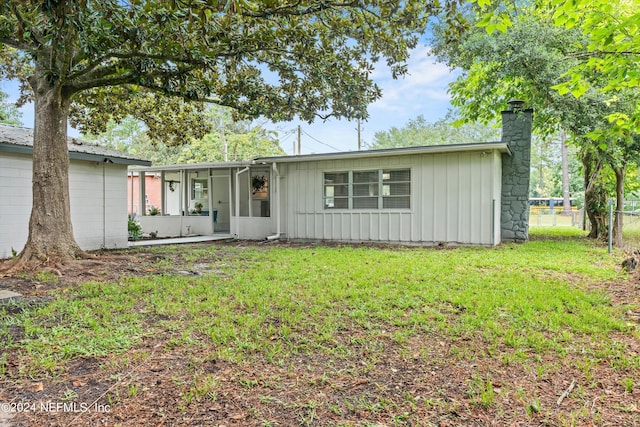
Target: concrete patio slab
5, 294
178, 240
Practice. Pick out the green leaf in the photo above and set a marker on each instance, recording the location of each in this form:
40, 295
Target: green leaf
486, 19
562, 88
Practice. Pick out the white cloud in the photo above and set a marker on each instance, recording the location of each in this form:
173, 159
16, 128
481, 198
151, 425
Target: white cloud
426, 82
422, 92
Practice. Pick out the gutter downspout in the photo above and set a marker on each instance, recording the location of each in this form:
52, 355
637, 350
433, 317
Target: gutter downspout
104, 205
181, 195
241, 171
277, 203
131, 184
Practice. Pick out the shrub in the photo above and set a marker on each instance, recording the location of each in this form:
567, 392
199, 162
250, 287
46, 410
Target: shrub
135, 229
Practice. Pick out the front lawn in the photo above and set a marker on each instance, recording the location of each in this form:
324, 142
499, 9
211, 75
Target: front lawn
307, 334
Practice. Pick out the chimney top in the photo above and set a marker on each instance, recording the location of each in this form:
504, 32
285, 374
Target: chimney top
515, 105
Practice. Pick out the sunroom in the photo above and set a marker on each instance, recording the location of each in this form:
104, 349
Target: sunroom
206, 199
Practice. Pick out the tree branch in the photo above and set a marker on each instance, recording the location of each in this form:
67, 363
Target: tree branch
582, 55
218, 101
178, 94
106, 76
25, 25
89, 69
294, 10
15, 44
128, 78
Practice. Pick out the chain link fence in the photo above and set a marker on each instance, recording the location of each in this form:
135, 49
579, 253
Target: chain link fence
556, 217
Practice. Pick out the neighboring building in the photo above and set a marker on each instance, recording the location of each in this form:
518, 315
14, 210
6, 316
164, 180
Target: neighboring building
474, 194
97, 186
152, 198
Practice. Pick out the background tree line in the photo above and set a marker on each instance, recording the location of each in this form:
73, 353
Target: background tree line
546, 151
575, 63
225, 139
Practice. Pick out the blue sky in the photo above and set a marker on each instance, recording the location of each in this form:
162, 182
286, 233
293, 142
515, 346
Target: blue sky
422, 92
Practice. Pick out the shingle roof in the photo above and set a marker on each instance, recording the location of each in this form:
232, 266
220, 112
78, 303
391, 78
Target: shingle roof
20, 139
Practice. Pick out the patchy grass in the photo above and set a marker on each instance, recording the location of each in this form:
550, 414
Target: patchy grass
337, 335
547, 233
631, 233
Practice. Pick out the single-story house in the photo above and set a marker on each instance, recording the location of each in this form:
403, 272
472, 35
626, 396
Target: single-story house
97, 186
472, 194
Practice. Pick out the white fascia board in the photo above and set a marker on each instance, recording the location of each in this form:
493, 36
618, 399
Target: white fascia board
192, 166
432, 149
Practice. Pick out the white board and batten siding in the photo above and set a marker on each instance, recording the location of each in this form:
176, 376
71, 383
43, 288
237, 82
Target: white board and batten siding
15, 196
98, 208
98, 204
455, 199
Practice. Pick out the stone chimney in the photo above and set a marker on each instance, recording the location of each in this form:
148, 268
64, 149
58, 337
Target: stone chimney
516, 132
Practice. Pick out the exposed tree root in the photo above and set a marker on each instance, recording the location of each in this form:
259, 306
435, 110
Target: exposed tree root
30, 261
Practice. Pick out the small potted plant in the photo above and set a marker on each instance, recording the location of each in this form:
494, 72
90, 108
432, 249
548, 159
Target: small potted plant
259, 186
135, 230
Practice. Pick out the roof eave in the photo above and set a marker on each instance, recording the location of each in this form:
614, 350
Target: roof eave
192, 166
502, 147
75, 155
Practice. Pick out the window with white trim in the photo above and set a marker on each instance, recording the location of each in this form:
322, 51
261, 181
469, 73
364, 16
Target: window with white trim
370, 189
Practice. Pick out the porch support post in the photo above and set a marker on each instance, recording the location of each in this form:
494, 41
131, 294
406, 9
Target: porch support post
143, 191
163, 195
181, 196
275, 196
249, 193
131, 206
237, 216
184, 190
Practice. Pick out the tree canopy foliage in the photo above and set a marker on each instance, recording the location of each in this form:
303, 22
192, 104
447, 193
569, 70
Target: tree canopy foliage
168, 119
532, 57
420, 132
9, 114
608, 53
273, 59
228, 140
231, 140
612, 52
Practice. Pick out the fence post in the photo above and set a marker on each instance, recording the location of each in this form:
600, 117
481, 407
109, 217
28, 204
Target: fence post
610, 225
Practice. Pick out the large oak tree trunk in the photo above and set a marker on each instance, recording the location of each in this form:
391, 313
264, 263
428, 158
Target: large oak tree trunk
594, 197
51, 237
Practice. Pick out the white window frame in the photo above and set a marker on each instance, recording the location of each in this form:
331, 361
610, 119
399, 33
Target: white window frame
380, 190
